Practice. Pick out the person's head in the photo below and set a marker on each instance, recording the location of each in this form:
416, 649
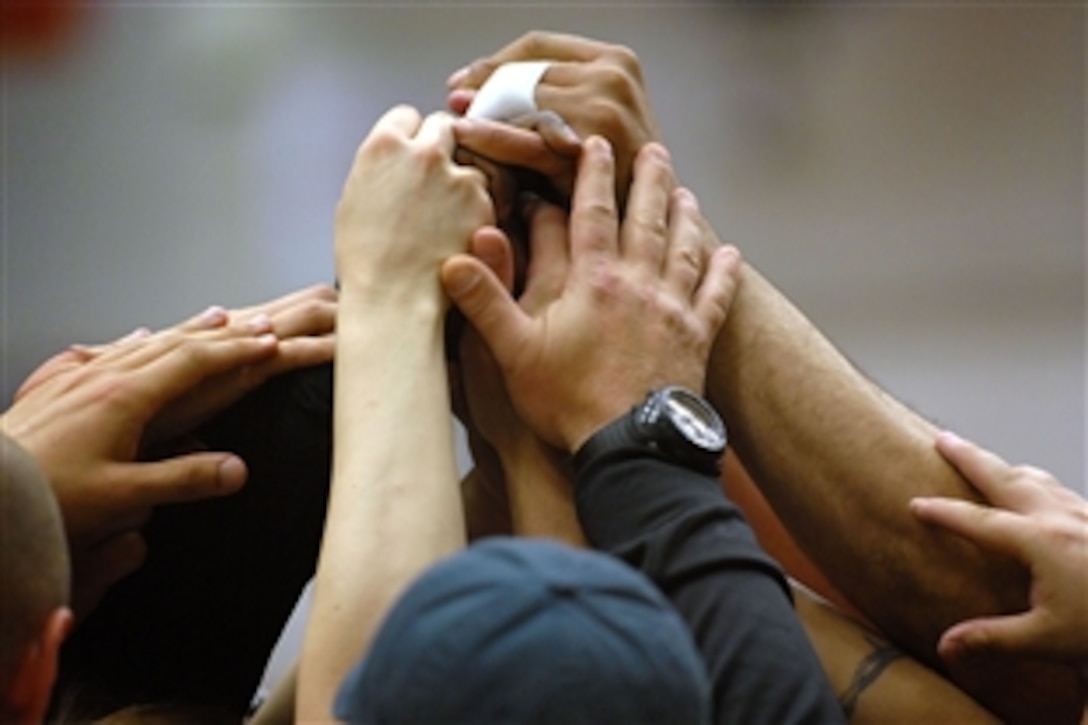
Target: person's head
529, 631
34, 583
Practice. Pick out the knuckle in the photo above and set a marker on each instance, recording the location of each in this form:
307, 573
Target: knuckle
432, 157
321, 291
531, 44
625, 58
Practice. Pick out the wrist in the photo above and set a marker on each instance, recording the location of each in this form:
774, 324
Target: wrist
368, 297
672, 424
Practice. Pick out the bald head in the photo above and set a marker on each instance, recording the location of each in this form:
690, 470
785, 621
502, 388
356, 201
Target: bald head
34, 569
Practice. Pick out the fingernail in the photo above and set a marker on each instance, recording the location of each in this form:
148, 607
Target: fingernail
460, 280
457, 77
599, 145
232, 473
214, 313
687, 196
659, 151
948, 436
138, 333
259, 322
918, 502
569, 134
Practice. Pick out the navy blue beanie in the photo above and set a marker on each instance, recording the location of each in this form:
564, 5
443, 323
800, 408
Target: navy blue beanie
529, 631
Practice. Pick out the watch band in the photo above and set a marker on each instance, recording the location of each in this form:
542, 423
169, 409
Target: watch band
619, 434
633, 431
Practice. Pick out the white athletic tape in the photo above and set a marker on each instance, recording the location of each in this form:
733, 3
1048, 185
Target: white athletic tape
510, 92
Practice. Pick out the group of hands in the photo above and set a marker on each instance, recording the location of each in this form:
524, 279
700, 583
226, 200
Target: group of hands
626, 289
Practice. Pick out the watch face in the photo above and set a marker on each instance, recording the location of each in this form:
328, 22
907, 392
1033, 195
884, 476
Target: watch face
696, 423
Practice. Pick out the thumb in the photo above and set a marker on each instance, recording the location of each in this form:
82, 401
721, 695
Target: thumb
979, 639
190, 477
486, 304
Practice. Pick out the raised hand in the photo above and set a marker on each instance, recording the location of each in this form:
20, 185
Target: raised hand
406, 207
1039, 522
595, 88
617, 309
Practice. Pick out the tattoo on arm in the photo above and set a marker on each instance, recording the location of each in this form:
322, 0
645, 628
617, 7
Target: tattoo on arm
870, 668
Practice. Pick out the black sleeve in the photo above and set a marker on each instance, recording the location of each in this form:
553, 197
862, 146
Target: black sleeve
679, 529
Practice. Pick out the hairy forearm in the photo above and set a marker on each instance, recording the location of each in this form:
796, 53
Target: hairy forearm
395, 505
839, 460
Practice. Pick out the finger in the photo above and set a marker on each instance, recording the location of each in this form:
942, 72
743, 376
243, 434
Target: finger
459, 100
986, 471
273, 309
594, 219
215, 394
401, 120
718, 287
553, 130
501, 180
189, 477
64, 361
987, 636
486, 304
549, 256
506, 144
307, 317
686, 259
123, 347
1001, 531
300, 352
646, 229
212, 317
531, 46
186, 365
437, 131
492, 247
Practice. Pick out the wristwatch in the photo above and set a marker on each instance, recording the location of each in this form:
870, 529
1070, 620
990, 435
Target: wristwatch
674, 423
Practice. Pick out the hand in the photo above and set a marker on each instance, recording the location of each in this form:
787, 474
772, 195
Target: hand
619, 310
406, 207
1038, 522
303, 322
85, 426
595, 87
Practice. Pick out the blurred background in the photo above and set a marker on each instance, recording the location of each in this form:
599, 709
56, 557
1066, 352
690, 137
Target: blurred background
912, 176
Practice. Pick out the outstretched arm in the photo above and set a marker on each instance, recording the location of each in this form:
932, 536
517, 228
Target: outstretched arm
394, 507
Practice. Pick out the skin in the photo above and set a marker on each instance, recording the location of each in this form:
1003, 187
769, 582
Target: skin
828, 449
1034, 519
388, 517
539, 353
538, 485
93, 417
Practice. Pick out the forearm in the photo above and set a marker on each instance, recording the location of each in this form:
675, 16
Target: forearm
839, 460
394, 505
540, 494
834, 453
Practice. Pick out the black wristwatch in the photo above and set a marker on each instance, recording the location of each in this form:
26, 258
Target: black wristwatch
674, 423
